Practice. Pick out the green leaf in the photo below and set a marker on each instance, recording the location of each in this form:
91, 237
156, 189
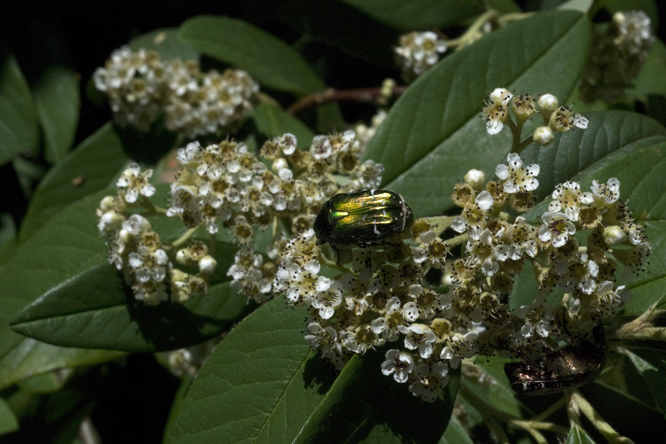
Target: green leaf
45, 383
322, 21
91, 167
651, 78
615, 144
22, 357
166, 42
55, 418
272, 121
418, 14
59, 252
87, 304
360, 407
525, 287
57, 101
578, 436
260, 384
8, 421
599, 152
651, 365
18, 119
268, 59
626, 415
501, 396
107, 317
627, 146
433, 135
455, 433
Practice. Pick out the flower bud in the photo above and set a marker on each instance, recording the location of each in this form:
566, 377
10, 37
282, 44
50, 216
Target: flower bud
548, 103
207, 264
279, 164
106, 204
614, 235
543, 135
475, 179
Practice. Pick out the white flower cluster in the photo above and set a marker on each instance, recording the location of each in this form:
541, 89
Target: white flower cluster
417, 52
380, 299
555, 118
226, 185
141, 88
136, 250
381, 295
617, 56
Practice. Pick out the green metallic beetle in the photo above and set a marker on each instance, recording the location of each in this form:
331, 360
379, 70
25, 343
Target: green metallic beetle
365, 217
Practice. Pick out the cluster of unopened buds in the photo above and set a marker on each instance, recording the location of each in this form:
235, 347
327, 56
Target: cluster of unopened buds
141, 88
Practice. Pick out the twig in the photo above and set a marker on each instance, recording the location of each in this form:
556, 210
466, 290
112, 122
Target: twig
343, 95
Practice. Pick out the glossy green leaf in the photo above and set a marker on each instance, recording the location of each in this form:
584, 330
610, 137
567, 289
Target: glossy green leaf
54, 418
23, 357
626, 415
615, 144
525, 287
455, 433
90, 307
106, 317
91, 167
583, 6
356, 408
166, 42
491, 369
651, 365
19, 131
322, 21
578, 436
259, 385
45, 383
418, 14
28, 173
51, 257
57, 101
8, 421
433, 135
600, 152
268, 59
651, 78
272, 121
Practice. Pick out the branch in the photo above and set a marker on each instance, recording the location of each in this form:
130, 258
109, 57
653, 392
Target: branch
344, 95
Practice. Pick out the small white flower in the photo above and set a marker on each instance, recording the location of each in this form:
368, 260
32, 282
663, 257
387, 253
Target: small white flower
607, 193
568, 198
421, 337
496, 111
556, 229
516, 177
134, 182
398, 363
